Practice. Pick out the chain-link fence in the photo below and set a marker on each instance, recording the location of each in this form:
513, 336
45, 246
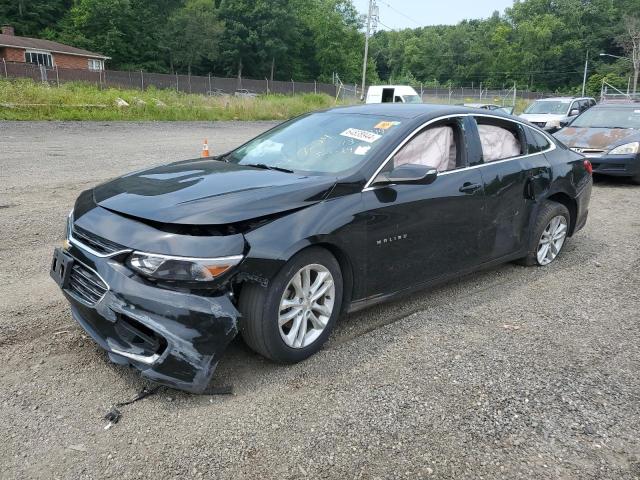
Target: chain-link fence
209, 84
213, 85
462, 95
454, 96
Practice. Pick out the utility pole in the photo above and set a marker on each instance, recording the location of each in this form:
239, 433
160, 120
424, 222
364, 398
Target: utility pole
372, 18
584, 79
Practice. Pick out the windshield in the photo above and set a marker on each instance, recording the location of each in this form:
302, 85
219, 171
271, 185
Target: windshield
609, 118
320, 143
559, 107
412, 99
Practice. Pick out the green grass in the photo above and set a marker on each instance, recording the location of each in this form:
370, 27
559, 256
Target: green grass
29, 100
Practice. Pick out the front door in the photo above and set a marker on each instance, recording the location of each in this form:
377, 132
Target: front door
417, 233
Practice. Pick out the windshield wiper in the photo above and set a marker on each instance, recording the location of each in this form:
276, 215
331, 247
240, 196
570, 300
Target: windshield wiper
264, 166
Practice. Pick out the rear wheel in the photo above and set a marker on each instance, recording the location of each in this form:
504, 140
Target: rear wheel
290, 319
550, 233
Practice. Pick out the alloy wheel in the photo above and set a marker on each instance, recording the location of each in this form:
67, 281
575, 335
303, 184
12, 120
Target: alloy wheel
306, 306
552, 240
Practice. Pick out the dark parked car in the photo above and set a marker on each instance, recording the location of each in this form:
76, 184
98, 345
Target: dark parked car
324, 214
609, 135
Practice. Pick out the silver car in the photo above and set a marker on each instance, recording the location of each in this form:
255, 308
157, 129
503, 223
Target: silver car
548, 113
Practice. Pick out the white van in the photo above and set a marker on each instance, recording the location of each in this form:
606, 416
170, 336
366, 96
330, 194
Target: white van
392, 94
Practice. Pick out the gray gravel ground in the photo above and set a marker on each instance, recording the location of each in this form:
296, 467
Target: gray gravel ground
509, 373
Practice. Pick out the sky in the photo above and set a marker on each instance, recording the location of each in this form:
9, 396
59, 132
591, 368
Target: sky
398, 14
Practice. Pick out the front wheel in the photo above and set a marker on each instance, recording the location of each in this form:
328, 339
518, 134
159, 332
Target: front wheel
549, 234
290, 319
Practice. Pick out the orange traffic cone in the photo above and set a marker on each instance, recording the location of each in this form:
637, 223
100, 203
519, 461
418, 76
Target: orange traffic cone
205, 149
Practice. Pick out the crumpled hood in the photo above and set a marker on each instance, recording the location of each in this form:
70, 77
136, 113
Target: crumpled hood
209, 192
596, 138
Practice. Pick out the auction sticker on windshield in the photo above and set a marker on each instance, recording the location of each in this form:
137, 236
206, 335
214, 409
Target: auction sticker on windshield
386, 125
362, 135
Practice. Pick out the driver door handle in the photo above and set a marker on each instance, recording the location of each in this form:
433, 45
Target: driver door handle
468, 187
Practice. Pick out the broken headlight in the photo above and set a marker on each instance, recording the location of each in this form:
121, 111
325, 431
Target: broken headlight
166, 267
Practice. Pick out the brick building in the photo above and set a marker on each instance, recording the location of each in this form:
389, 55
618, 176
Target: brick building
47, 53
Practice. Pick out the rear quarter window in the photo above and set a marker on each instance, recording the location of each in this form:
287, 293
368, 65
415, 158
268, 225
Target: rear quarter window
536, 142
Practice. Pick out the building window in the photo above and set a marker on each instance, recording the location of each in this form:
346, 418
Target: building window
39, 58
96, 65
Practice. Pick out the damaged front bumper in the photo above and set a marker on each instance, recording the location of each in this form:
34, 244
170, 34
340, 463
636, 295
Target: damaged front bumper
172, 337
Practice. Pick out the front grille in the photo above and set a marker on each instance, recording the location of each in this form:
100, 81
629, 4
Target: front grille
86, 284
593, 151
95, 242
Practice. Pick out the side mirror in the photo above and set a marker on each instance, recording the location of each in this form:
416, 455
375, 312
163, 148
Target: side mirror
565, 122
408, 173
507, 110
575, 112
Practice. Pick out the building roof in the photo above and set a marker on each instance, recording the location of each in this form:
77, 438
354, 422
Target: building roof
47, 45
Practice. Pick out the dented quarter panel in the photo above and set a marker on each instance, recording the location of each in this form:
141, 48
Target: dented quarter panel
338, 223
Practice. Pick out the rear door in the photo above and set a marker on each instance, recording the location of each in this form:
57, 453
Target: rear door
514, 169
416, 233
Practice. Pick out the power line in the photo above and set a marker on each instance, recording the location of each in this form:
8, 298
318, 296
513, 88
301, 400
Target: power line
400, 13
385, 26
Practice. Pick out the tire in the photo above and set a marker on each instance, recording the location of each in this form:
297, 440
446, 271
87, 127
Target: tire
548, 212
636, 179
261, 308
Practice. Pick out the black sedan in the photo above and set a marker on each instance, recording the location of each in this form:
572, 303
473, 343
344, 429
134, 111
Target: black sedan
609, 135
324, 214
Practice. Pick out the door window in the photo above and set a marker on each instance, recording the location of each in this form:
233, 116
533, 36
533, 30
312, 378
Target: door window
437, 146
500, 139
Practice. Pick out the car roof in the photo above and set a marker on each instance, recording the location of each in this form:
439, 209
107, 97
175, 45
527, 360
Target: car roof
565, 99
619, 103
478, 105
413, 110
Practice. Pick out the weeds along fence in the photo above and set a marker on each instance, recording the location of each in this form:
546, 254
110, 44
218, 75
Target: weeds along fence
205, 85
213, 85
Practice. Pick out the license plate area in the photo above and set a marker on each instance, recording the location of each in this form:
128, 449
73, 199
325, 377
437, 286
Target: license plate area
61, 267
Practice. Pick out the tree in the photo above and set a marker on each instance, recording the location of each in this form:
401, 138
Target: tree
630, 42
30, 17
333, 28
258, 34
129, 31
193, 35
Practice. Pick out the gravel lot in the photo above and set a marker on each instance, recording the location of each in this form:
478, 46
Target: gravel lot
509, 373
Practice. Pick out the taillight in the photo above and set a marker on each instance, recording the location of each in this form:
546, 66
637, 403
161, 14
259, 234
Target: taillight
588, 167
